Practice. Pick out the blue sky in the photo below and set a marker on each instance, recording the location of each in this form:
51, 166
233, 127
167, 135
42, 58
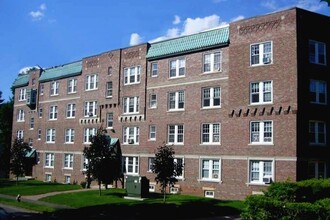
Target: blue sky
54, 32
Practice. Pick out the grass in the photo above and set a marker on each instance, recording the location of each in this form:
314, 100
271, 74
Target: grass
112, 205
32, 187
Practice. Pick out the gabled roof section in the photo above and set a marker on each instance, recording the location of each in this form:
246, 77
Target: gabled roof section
21, 80
63, 71
190, 43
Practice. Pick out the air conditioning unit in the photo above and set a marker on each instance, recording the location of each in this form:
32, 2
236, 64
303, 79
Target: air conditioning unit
90, 114
131, 141
215, 176
266, 60
267, 180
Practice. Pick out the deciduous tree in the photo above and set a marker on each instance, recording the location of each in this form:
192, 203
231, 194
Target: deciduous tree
18, 162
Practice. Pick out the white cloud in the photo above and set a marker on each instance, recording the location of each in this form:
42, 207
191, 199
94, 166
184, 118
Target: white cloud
240, 17
194, 25
39, 14
310, 5
26, 69
135, 39
191, 26
177, 19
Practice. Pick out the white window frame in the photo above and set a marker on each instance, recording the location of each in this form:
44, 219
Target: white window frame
49, 160
260, 169
67, 179
72, 86
69, 136
39, 134
32, 123
20, 134
110, 120
131, 165
209, 193
317, 128
131, 135
131, 105
262, 57
40, 112
22, 95
182, 162
152, 132
151, 163
154, 69
258, 134
212, 62
54, 88
90, 108
109, 90
50, 135
42, 88
213, 94
87, 133
20, 115
132, 75
212, 133
84, 163
176, 100
212, 170
174, 133
317, 52
91, 82
319, 87
153, 101
53, 111
48, 177
177, 68
71, 110
260, 90
68, 161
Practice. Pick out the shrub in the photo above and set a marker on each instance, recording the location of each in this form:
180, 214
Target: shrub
282, 191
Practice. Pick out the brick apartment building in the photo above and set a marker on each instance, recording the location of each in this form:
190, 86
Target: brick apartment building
243, 105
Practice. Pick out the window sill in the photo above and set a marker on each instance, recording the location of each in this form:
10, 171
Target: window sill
129, 84
210, 180
212, 72
257, 184
88, 90
260, 144
261, 103
176, 110
48, 167
210, 144
210, 108
260, 64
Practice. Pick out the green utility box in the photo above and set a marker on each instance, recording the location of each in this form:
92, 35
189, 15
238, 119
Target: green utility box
137, 186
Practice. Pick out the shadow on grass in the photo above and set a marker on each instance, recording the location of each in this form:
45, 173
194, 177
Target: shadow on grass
186, 210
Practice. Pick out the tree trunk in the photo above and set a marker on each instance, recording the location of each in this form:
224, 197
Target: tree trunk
164, 191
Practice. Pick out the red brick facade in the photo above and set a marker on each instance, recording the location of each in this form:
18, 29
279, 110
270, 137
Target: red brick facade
229, 167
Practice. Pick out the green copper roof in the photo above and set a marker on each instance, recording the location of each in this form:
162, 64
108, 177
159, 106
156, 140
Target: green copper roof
21, 80
202, 40
59, 72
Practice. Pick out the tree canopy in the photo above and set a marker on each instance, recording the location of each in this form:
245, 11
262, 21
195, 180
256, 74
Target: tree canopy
166, 168
104, 160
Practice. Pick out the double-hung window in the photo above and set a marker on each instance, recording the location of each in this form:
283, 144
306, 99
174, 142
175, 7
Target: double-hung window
317, 132
151, 163
109, 90
176, 100
22, 95
317, 52
132, 75
50, 135
53, 112
131, 105
31, 123
261, 92
69, 135
261, 132
261, 171
177, 68
261, 53
72, 86
20, 134
109, 120
71, 110
68, 161
211, 133
175, 134
153, 101
88, 133
131, 135
21, 115
212, 62
211, 97
54, 88
90, 109
131, 165
154, 69
91, 82
49, 160
318, 91
210, 169
317, 169
152, 132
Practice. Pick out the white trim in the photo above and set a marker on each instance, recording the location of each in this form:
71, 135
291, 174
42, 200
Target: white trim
59, 100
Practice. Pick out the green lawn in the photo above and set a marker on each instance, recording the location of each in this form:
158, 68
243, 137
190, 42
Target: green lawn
112, 205
32, 187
